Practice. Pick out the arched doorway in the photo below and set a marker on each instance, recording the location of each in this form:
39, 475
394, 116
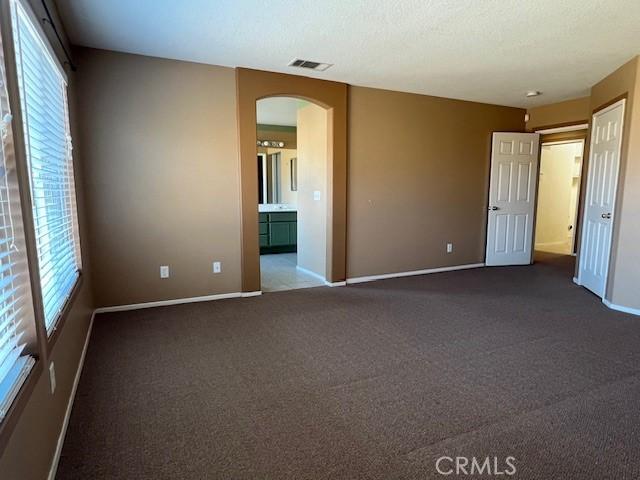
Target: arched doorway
253, 85
291, 157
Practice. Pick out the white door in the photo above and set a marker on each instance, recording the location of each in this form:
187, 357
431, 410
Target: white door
512, 198
602, 180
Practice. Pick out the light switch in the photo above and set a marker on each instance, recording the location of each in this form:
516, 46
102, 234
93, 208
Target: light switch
316, 195
217, 267
449, 247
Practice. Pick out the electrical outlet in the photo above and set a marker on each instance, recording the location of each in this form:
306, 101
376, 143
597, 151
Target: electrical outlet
449, 247
164, 271
217, 267
52, 377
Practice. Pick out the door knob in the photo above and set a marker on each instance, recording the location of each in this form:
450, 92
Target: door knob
493, 208
606, 215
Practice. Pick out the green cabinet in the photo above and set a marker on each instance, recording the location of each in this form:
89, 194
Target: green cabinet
278, 232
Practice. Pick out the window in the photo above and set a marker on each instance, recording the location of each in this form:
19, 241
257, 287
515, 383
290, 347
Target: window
16, 309
43, 97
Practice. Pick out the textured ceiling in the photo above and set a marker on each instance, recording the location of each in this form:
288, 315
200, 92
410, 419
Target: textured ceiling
484, 50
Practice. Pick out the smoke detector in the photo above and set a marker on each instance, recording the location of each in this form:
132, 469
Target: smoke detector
311, 65
533, 93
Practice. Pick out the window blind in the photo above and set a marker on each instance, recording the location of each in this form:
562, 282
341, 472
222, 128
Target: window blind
16, 311
43, 96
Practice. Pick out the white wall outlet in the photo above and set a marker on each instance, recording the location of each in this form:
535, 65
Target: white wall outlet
217, 267
449, 247
164, 271
52, 377
316, 195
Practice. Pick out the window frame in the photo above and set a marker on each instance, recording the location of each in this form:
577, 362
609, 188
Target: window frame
43, 344
22, 157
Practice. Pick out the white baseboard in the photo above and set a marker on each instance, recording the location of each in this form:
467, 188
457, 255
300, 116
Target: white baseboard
67, 415
335, 284
255, 293
621, 308
384, 276
177, 301
311, 273
576, 281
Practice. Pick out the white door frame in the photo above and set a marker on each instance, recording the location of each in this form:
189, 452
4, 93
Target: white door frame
576, 219
615, 194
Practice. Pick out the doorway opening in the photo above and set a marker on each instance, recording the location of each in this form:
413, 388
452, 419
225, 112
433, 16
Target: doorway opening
292, 167
558, 196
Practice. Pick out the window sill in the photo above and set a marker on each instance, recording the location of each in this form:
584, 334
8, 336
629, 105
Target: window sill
64, 313
19, 403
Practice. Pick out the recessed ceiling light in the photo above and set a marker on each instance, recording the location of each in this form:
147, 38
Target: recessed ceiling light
533, 93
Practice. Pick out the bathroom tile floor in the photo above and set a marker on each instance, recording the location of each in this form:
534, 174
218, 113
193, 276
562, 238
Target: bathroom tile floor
278, 272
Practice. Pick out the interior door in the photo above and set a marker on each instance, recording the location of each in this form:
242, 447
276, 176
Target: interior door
512, 198
602, 180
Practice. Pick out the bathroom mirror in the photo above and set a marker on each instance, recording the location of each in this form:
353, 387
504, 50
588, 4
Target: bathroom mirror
269, 178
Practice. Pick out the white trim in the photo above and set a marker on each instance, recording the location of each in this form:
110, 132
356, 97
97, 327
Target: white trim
177, 301
335, 284
67, 415
569, 128
372, 278
576, 280
313, 274
621, 308
255, 293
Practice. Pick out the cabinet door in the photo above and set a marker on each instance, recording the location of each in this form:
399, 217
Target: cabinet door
264, 240
293, 233
278, 234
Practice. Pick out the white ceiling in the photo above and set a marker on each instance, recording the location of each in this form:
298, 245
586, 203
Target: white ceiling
484, 50
277, 111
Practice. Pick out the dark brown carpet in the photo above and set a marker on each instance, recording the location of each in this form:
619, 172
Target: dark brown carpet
370, 381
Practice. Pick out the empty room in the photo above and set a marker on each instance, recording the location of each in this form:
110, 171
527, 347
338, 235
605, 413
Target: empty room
319, 240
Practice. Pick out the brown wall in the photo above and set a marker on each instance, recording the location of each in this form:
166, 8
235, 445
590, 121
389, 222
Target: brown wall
253, 85
418, 178
29, 450
624, 270
160, 141
569, 112
276, 132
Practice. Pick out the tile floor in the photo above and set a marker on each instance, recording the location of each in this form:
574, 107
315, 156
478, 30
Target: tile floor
278, 272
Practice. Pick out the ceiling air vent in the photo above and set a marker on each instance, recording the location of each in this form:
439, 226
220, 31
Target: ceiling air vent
297, 62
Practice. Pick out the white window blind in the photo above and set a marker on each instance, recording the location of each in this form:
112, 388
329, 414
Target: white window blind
16, 311
43, 95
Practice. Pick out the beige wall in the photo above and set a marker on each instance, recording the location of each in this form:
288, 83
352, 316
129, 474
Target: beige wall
29, 451
569, 112
160, 142
418, 178
624, 273
557, 195
312, 177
